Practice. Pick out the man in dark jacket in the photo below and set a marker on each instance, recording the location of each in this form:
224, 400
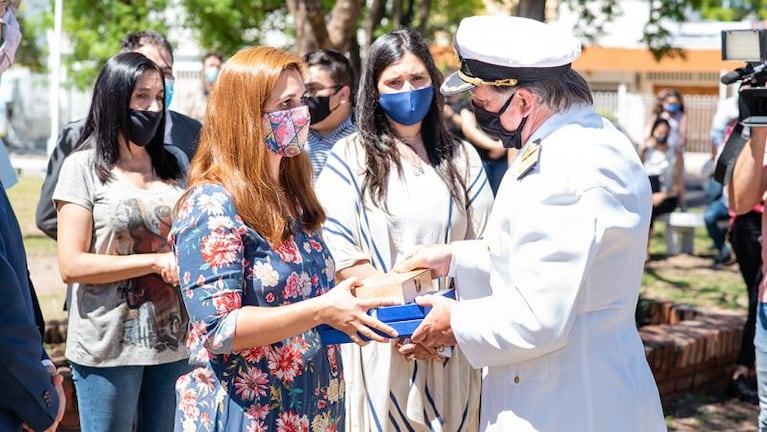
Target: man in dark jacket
32, 395
180, 131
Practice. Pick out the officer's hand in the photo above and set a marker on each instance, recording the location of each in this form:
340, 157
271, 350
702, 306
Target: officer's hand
434, 257
413, 351
435, 331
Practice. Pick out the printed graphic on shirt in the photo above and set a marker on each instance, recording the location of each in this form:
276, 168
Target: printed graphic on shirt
155, 317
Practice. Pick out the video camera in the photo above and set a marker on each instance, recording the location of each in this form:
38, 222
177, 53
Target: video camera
749, 46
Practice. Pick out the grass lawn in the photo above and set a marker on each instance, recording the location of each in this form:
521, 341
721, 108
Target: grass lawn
24, 196
691, 279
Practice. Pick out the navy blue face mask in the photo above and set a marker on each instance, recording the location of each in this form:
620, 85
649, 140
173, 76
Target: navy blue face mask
407, 107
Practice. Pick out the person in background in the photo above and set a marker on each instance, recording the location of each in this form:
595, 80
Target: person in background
196, 99
330, 83
553, 284
402, 180
180, 131
663, 168
462, 122
669, 106
127, 324
745, 238
256, 275
32, 396
747, 189
11, 38
717, 206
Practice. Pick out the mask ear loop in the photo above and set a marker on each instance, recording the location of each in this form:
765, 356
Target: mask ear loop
506, 105
338, 89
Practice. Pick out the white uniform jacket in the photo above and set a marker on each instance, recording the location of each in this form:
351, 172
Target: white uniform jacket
564, 250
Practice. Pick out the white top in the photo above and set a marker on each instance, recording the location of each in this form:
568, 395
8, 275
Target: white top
383, 390
661, 164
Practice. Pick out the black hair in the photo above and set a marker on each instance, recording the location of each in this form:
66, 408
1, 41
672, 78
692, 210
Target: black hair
215, 54
340, 67
378, 135
136, 40
665, 93
109, 117
659, 121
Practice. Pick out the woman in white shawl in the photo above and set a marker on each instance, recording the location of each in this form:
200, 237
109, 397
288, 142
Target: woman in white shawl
401, 181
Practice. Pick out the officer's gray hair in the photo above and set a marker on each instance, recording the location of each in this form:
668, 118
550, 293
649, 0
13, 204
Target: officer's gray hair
558, 93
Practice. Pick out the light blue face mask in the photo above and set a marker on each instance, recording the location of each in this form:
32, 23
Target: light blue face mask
407, 107
168, 93
211, 74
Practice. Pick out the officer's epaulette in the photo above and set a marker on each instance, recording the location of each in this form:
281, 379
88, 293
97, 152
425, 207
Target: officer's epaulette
529, 158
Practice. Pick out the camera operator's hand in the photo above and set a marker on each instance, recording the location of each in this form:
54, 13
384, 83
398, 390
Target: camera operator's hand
749, 181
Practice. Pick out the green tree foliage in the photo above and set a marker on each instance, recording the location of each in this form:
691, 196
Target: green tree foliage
31, 52
732, 10
95, 29
229, 25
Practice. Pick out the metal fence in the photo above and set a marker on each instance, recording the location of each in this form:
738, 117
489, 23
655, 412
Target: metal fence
633, 112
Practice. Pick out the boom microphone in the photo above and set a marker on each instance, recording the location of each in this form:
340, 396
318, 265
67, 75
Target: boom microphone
740, 73
733, 76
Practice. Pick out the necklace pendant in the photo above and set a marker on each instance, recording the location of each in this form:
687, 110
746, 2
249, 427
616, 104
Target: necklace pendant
418, 170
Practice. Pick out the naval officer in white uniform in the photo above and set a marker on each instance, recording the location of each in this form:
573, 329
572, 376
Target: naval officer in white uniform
548, 296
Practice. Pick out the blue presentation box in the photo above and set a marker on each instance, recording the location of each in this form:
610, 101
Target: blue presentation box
403, 318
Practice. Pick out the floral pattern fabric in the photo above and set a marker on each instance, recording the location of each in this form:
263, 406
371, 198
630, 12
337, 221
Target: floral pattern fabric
293, 385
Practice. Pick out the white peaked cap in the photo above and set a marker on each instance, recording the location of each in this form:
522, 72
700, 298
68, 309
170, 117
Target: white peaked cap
508, 51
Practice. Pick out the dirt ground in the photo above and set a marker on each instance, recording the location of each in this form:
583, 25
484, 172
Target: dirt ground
684, 413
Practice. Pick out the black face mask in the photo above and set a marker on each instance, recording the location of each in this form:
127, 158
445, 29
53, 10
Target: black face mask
490, 123
319, 106
142, 126
662, 139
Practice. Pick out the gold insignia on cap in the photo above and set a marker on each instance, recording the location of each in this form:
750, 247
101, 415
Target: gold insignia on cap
508, 82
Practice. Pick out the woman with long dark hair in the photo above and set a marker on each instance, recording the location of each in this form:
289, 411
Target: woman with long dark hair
402, 180
114, 197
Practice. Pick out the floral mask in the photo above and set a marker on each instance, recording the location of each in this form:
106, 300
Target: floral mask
287, 130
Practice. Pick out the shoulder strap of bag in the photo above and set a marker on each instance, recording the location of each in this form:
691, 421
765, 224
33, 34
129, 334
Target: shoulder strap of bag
726, 161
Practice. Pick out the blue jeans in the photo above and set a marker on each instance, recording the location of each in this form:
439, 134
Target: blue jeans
110, 398
715, 212
760, 344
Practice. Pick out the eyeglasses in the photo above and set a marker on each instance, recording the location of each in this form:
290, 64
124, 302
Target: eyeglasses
312, 90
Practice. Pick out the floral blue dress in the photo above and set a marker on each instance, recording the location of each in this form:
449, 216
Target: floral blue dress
293, 385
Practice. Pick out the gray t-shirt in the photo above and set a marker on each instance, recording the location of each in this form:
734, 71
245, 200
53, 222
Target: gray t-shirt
139, 321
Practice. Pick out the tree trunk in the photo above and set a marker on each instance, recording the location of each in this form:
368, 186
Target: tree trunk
396, 14
342, 27
423, 16
356, 59
375, 14
309, 18
407, 16
535, 9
